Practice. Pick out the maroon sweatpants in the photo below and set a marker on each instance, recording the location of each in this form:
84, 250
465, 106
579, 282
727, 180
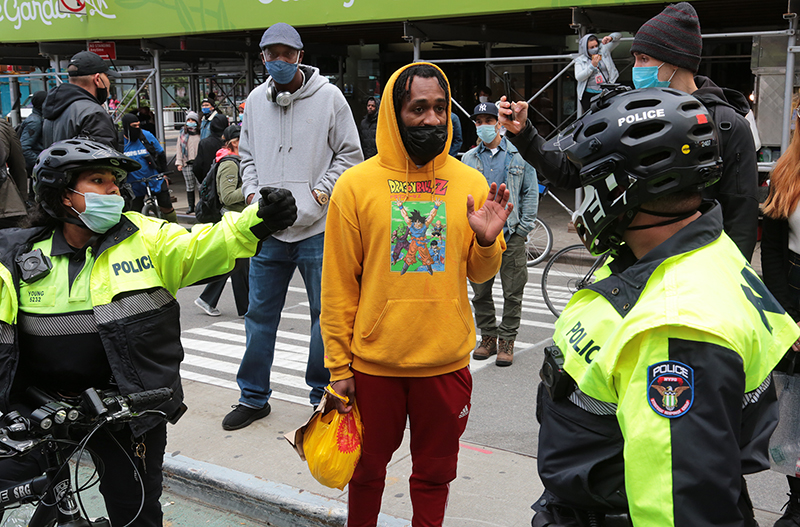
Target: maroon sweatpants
437, 409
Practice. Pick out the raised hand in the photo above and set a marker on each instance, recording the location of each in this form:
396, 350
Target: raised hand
488, 221
504, 111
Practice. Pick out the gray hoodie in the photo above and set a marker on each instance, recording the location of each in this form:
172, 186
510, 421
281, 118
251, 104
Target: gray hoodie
304, 146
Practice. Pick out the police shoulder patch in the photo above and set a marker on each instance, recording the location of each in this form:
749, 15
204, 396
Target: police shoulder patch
670, 388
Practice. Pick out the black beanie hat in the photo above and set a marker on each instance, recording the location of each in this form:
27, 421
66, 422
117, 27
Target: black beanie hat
672, 36
38, 99
218, 123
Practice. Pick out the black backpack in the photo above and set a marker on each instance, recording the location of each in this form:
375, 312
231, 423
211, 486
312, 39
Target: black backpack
209, 208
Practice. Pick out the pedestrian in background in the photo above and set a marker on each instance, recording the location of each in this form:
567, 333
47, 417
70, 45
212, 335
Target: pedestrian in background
186, 153
299, 134
229, 190
209, 111
141, 146
147, 120
499, 162
30, 133
207, 148
13, 178
455, 145
369, 124
780, 263
396, 340
594, 66
75, 109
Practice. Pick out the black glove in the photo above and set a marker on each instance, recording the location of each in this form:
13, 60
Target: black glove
278, 211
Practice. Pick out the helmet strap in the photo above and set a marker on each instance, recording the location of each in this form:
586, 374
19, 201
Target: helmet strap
674, 217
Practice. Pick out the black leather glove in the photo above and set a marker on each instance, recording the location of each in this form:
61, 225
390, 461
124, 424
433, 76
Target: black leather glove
277, 209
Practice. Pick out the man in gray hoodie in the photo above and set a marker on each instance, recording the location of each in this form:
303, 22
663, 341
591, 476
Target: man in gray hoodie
298, 134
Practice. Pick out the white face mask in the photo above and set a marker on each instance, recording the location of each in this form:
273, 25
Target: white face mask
483, 98
103, 211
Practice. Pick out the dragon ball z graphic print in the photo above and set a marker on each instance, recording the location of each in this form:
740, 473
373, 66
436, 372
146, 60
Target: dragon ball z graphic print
419, 236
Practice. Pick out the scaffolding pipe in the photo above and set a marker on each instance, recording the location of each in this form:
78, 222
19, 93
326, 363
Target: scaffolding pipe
417, 46
15, 102
788, 88
505, 59
551, 81
159, 110
248, 68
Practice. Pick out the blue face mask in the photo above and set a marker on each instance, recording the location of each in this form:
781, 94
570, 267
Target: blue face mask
103, 211
205, 110
647, 77
191, 124
487, 132
282, 72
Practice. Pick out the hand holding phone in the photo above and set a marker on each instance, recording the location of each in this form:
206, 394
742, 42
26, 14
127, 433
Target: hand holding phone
507, 83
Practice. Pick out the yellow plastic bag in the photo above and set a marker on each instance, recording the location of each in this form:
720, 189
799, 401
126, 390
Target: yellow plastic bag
332, 445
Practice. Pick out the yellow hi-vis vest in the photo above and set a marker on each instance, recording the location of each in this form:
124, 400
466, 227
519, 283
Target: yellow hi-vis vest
617, 337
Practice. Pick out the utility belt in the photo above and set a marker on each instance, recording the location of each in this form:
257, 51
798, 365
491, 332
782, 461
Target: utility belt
560, 385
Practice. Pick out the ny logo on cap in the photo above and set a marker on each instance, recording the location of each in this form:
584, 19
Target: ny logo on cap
482, 108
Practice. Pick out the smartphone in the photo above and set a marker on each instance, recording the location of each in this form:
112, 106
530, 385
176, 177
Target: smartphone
507, 83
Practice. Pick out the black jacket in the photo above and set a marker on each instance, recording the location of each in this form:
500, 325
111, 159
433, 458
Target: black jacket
367, 130
31, 138
735, 190
206, 151
70, 111
737, 187
775, 262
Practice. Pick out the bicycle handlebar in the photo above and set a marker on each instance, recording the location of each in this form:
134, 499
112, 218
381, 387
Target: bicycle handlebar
53, 418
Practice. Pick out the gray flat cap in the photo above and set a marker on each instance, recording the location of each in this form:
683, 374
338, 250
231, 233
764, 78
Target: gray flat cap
281, 33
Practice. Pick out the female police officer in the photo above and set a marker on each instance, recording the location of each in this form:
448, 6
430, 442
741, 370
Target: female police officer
87, 299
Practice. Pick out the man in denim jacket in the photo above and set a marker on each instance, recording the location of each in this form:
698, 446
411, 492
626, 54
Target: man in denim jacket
498, 160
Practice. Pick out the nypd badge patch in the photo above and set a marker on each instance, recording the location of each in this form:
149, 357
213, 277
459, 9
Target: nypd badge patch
670, 388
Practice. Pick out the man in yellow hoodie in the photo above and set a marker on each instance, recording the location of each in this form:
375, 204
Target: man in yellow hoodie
398, 333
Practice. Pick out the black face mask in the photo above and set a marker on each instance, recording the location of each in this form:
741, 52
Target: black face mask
424, 142
102, 95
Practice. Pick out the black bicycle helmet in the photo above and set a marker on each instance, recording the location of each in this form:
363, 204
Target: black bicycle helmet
631, 148
62, 161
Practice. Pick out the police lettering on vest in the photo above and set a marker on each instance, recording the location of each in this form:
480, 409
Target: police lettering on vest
132, 266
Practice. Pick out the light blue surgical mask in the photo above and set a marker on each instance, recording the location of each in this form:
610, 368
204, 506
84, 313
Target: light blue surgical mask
103, 211
487, 132
282, 72
191, 124
647, 77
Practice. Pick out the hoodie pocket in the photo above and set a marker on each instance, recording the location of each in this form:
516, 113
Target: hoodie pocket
308, 210
417, 333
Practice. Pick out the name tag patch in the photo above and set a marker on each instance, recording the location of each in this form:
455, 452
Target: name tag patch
670, 389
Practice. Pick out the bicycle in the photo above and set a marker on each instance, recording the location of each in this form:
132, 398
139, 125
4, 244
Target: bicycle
568, 271
151, 207
47, 429
539, 242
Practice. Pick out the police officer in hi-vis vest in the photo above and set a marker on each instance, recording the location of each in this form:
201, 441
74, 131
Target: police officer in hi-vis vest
87, 299
656, 395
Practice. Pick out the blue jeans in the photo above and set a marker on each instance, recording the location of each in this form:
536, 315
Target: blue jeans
271, 271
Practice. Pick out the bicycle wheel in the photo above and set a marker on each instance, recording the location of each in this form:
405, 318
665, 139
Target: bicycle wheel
539, 243
151, 209
569, 270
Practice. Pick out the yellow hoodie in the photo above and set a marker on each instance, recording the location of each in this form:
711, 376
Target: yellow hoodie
376, 317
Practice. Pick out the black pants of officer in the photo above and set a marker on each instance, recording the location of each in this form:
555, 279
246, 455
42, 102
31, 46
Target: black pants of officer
119, 482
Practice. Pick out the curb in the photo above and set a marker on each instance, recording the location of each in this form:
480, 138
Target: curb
262, 500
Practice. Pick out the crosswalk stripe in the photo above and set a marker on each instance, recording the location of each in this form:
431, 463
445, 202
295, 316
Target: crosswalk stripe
207, 379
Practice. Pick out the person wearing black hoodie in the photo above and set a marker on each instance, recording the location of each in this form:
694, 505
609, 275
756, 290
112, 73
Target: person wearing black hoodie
663, 59
208, 147
75, 109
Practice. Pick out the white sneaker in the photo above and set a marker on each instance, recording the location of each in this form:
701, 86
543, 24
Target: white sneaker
210, 311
